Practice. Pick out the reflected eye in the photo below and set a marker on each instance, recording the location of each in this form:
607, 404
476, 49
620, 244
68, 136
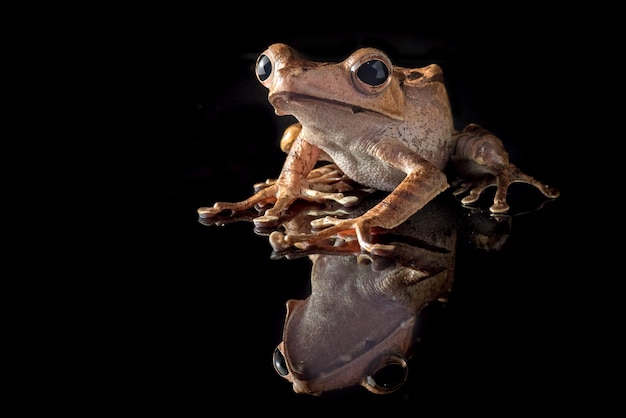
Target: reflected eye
388, 374
373, 72
263, 67
280, 365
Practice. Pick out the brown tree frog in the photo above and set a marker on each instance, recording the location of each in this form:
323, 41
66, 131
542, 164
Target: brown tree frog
386, 127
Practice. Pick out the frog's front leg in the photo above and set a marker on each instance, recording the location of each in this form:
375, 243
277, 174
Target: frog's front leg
290, 185
482, 162
298, 179
422, 183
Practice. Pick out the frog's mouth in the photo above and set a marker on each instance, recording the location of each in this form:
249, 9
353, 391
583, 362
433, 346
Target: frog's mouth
289, 103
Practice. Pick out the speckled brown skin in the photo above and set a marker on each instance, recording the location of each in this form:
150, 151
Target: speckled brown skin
386, 127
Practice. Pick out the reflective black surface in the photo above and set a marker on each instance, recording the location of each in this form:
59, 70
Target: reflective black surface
189, 315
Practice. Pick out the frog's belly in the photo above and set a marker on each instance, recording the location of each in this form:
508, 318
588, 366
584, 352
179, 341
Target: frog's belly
369, 171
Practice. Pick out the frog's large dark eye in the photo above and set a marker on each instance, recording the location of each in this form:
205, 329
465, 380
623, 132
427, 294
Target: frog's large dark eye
373, 72
280, 365
387, 374
263, 67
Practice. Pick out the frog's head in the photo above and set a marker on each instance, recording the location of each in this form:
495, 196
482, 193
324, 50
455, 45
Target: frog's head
365, 82
348, 332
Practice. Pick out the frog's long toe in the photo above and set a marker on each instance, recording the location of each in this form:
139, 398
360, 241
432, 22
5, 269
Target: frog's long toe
550, 192
210, 212
266, 221
324, 222
279, 241
382, 250
470, 198
260, 186
473, 189
499, 207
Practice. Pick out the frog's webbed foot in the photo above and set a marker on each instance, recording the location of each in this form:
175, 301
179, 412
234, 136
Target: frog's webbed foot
481, 161
324, 183
329, 177
509, 175
325, 190
334, 228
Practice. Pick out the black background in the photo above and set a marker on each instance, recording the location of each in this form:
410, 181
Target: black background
187, 316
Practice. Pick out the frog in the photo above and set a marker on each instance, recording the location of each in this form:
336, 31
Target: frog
324, 349
386, 127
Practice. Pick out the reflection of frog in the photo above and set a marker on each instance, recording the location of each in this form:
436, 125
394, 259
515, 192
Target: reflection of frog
386, 127
358, 325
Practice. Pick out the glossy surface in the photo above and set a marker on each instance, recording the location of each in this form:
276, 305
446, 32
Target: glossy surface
167, 293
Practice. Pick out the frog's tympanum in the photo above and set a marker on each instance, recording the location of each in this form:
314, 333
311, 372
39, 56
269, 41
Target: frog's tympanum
359, 194
386, 127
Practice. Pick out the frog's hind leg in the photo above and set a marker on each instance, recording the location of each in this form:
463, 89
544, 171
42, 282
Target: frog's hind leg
482, 162
502, 181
